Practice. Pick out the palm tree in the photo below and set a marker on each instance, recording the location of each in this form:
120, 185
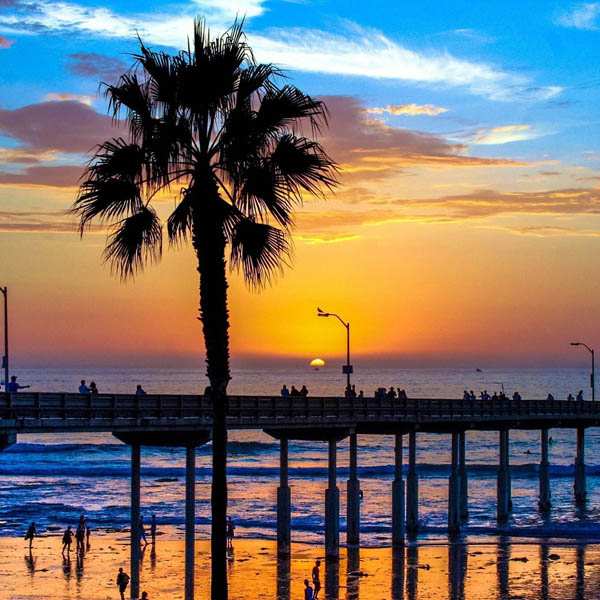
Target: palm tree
227, 133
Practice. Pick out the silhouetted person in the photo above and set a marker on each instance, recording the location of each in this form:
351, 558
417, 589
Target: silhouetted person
391, 395
316, 579
466, 395
402, 395
67, 539
284, 391
579, 396
361, 394
88, 532
294, 391
13, 387
308, 591
495, 396
472, 395
230, 533
83, 388
139, 390
517, 396
93, 388
550, 397
304, 391
570, 397
122, 582
80, 534
142, 530
153, 529
31, 533
144, 596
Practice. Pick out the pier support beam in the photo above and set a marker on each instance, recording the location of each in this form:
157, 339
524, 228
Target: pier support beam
464, 481
504, 488
353, 496
332, 506
544, 500
135, 520
284, 502
190, 520
398, 496
580, 483
454, 489
412, 486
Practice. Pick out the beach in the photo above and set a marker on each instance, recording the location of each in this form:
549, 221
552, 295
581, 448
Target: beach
489, 570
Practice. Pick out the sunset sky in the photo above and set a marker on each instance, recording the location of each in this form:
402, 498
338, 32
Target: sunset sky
466, 228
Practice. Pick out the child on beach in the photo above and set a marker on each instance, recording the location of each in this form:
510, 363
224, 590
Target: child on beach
66, 540
308, 591
122, 582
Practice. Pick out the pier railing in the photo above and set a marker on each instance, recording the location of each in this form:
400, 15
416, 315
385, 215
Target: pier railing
30, 412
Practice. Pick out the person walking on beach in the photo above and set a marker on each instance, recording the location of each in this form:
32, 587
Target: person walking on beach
122, 582
67, 539
13, 387
83, 388
142, 530
316, 579
31, 533
80, 535
230, 533
308, 591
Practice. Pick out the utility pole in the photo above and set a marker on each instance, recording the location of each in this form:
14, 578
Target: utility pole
4, 291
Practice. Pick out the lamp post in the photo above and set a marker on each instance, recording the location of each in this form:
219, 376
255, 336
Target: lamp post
4, 291
592, 375
347, 368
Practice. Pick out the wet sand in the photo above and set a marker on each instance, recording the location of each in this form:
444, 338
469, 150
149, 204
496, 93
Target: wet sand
474, 571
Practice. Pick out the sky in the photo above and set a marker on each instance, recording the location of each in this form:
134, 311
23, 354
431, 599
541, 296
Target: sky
465, 229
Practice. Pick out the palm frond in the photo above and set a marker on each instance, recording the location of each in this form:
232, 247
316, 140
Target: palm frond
179, 223
136, 241
259, 251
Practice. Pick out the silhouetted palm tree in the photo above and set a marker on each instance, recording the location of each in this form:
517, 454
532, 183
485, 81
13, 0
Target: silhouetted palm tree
225, 133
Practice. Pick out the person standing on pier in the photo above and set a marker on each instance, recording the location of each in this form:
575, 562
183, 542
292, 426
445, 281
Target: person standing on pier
31, 533
13, 387
139, 390
122, 582
83, 388
93, 388
284, 391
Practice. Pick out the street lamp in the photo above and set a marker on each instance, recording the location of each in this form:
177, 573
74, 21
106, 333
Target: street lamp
592, 375
347, 368
4, 291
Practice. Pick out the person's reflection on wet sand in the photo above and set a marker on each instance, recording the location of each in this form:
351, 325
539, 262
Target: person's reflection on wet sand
332, 579
353, 574
30, 561
283, 577
457, 569
66, 566
502, 570
398, 573
412, 571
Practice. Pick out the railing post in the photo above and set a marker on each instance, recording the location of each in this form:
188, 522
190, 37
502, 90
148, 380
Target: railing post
284, 502
353, 496
544, 499
332, 506
580, 479
135, 521
412, 486
398, 497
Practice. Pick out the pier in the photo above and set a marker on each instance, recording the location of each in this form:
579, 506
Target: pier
186, 421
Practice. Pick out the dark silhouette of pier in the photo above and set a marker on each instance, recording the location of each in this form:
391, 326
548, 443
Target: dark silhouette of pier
186, 421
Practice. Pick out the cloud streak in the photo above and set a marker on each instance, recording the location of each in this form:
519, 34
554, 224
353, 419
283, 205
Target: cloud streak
582, 16
411, 110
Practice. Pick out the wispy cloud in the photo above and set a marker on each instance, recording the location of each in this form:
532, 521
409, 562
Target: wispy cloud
582, 16
411, 110
357, 51
44, 176
67, 97
98, 66
503, 134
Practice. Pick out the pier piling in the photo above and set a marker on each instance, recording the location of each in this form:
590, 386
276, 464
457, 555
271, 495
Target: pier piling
504, 487
353, 496
454, 489
544, 502
398, 496
412, 486
190, 520
332, 506
284, 502
134, 588
464, 481
580, 482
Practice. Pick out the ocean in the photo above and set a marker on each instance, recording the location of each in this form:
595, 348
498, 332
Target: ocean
52, 479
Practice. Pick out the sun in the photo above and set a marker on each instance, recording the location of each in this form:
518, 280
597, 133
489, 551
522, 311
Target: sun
317, 363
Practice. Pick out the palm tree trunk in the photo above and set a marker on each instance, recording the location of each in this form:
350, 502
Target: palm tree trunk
209, 244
